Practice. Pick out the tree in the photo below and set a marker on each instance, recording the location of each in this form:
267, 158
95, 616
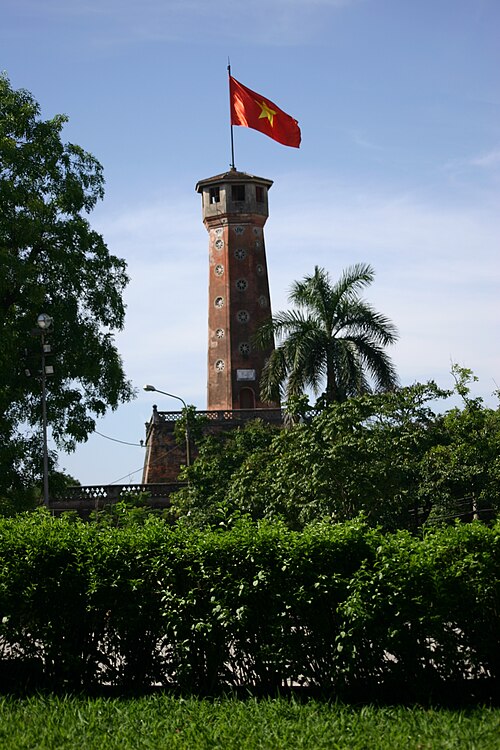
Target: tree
333, 338
363, 455
52, 262
206, 499
389, 456
461, 474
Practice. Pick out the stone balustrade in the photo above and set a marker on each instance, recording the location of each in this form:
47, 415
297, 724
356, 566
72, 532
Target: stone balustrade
87, 498
225, 416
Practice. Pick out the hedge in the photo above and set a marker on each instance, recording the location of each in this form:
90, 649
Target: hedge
339, 608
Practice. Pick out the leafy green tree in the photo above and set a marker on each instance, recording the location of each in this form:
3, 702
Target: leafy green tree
189, 428
389, 456
206, 500
359, 456
52, 262
461, 474
334, 337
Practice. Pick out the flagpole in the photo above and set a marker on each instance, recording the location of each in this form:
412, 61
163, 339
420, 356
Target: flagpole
231, 124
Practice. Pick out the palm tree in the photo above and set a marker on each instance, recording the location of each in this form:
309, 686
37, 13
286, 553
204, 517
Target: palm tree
333, 338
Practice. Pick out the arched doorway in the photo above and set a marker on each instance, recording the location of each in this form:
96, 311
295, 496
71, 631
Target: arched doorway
247, 398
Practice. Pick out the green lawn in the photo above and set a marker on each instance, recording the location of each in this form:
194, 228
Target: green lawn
153, 723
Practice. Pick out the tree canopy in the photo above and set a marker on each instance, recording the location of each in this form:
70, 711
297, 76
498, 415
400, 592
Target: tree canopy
389, 456
333, 338
52, 262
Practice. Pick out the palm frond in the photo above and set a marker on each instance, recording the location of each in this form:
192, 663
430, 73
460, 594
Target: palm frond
360, 316
274, 375
377, 362
313, 293
352, 281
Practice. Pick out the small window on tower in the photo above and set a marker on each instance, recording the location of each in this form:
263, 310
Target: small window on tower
214, 195
238, 192
259, 194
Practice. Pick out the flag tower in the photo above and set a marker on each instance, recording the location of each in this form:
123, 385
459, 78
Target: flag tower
234, 209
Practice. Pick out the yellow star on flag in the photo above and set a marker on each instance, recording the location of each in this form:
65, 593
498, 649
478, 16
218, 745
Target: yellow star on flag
266, 111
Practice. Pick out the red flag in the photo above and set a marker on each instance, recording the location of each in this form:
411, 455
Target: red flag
255, 111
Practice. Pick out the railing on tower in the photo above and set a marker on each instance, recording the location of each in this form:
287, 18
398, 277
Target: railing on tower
224, 415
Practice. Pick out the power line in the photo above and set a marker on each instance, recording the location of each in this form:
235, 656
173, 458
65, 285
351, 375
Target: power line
115, 440
115, 481
157, 462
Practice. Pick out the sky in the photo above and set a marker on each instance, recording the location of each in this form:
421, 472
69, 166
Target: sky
399, 106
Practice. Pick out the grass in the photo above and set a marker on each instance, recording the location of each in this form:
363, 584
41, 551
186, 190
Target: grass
157, 722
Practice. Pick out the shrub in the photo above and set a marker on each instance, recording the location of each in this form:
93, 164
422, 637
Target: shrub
337, 607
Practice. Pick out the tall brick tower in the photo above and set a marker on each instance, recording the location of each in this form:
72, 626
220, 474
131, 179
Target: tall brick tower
235, 209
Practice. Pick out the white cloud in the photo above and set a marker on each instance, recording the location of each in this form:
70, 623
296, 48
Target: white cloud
118, 22
487, 160
359, 138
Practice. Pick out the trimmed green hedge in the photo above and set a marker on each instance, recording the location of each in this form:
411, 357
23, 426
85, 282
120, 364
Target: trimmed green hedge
342, 608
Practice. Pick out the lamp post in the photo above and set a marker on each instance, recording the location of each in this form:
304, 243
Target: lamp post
44, 323
172, 395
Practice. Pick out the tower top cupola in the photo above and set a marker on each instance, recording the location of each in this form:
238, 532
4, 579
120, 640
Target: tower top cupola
234, 193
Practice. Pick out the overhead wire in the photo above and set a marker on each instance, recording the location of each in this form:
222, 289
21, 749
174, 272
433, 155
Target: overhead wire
157, 462
115, 440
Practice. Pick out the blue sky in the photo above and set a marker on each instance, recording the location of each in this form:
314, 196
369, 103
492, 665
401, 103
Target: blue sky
399, 106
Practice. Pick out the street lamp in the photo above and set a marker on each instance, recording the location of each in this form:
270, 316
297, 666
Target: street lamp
44, 323
172, 395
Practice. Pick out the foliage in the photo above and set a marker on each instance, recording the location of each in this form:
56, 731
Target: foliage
388, 455
128, 512
163, 721
333, 336
192, 423
220, 456
341, 608
53, 262
30, 497
360, 455
462, 472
